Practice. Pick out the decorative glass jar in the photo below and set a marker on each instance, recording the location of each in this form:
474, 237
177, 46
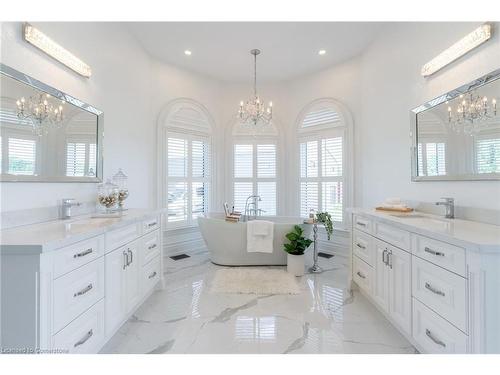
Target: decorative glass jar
120, 180
107, 196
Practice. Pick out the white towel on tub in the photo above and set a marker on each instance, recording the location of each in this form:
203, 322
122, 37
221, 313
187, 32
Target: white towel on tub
260, 236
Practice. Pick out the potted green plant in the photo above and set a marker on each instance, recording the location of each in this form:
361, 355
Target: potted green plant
326, 219
295, 249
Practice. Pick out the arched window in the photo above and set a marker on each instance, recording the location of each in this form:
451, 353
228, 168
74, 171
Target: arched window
185, 167
324, 128
255, 169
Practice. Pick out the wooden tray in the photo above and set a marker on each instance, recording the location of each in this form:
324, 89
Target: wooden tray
406, 209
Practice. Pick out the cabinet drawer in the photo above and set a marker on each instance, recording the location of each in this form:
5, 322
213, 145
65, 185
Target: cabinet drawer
150, 224
443, 254
441, 290
394, 236
362, 245
150, 247
69, 258
76, 291
362, 223
150, 275
434, 334
362, 274
85, 334
122, 236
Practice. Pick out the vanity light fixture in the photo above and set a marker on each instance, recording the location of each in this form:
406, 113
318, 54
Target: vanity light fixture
35, 37
187, 52
460, 48
321, 52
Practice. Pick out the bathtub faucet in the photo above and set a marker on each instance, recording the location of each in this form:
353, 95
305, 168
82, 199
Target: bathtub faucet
254, 204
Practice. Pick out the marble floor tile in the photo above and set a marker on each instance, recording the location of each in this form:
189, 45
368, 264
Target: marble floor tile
186, 317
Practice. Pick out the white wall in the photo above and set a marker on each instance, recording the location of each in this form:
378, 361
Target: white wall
391, 86
379, 88
119, 86
170, 83
126, 84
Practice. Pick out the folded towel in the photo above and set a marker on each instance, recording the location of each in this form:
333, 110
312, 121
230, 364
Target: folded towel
395, 206
262, 227
393, 201
260, 236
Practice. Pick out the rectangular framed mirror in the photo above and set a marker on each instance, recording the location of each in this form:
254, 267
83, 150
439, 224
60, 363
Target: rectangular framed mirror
456, 136
45, 134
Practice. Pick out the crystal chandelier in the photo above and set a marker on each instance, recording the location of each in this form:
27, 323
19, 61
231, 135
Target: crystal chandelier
253, 111
471, 113
39, 110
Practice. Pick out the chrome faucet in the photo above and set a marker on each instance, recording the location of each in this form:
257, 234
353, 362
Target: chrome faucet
67, 203
256, 210
449, 203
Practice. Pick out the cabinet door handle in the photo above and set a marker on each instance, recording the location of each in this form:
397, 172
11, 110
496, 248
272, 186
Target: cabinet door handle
88, 288
434, 290
131, 256
360, 246
125, 259
433, 252
389, 259
152, 224
82, 341
361, 275
360, 223
151, 246
383, 256
83, 253
428, 333
152, 275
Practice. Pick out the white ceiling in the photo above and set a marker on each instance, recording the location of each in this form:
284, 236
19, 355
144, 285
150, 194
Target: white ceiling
222, 49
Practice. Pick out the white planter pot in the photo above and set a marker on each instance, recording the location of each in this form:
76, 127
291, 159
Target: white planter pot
295, 264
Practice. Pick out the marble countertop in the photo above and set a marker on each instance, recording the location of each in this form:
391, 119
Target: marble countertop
470, 234
54, 234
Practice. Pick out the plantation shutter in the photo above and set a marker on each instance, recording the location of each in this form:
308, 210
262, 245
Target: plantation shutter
75, 159
22, 156
255, 174
321, 175
431, 158
488, 155
188, 175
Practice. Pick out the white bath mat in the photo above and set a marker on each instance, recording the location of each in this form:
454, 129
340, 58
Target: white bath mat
246, 280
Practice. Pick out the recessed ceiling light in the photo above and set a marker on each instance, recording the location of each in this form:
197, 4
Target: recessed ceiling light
321, 52
187, 52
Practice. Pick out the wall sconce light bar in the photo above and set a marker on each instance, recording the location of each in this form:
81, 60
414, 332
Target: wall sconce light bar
460, 48
35, 37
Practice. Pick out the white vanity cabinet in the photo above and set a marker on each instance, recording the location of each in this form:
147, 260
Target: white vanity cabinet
73, 298
435, 280
391, 289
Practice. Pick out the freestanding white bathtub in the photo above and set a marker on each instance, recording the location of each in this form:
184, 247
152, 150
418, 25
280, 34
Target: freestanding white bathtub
227, 242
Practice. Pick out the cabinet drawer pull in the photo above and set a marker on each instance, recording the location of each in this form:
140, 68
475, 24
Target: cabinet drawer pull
87, 289
152, 275
131, 256
151, 246
152, 224
435, 340
433, 252
125, 259
82, 341
360, 246
389, 259
83, 253
383, 256
433, 290
360, 223
361, 275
